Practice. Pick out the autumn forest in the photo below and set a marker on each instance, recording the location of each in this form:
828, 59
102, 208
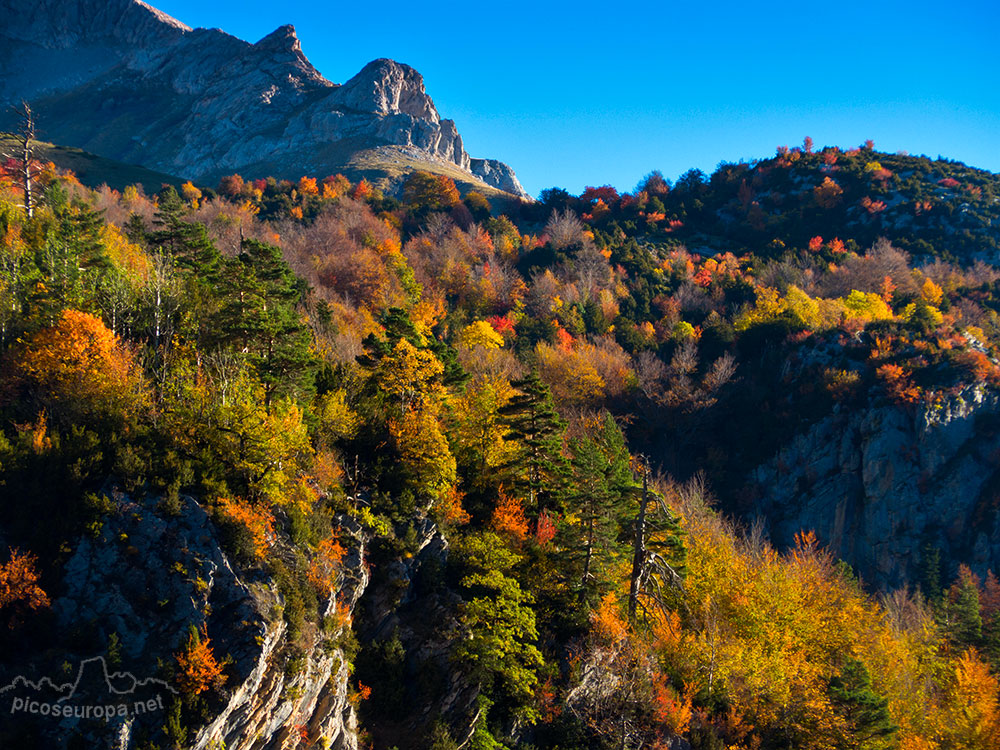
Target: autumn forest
529, 431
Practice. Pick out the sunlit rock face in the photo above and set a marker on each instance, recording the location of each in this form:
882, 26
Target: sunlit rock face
126, 81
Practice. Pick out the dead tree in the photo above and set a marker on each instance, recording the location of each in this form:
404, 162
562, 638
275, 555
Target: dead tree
24, 155
657, 566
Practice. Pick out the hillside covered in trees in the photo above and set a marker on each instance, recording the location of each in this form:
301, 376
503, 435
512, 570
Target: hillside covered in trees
500, 463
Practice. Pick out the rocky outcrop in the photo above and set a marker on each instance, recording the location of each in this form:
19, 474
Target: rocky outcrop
498, 174
125, 81
879, 485
148, 576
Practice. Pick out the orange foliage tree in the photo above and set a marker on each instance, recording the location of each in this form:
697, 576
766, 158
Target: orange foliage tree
253, 520
19, 589
79, 367
972, 714
827, 194
508, 517
449, 508
428, 191
308, 186
623, 694
898, 385
325, 565
197, 668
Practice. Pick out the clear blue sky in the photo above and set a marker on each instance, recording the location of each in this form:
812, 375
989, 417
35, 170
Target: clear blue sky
586, 93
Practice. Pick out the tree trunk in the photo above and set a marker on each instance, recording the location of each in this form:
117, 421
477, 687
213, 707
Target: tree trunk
639, 544
590, 552
27, 135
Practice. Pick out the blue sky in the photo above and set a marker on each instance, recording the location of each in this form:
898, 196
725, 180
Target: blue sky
576, 94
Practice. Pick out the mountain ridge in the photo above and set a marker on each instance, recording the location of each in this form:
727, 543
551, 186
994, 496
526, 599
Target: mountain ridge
126, 81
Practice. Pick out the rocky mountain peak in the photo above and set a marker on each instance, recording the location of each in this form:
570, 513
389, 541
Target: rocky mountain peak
282, 39
386, 87
281, 52
161, 16
62, 23
124, 80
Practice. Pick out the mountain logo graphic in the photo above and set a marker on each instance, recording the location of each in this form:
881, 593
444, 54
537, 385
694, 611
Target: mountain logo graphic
94, 693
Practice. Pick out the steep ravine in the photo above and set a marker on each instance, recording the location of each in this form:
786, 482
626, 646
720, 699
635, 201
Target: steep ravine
879, 485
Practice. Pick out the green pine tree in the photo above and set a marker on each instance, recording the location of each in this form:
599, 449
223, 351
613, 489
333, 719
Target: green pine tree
538, 470
187, 243
599, 493
960, 611
258, 316
869, 725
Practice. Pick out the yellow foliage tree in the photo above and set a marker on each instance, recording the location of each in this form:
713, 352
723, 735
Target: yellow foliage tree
425, 451
768, 306
867, 306
190, 193
931, 292
772, 635
803, 308
480, 333
408, 375
337, 420
128, 256
477, 428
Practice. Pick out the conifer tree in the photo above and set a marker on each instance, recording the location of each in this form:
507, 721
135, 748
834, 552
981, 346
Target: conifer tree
538, 469
188, 244
869, 724
258, 316
658, 553
960, 610
72, 258
601, 485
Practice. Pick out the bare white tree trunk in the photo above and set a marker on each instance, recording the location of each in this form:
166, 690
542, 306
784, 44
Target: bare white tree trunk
24, 155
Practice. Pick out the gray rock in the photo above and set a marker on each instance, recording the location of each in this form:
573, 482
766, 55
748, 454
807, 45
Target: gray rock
126, 81
498, 174
877, 485
148, 576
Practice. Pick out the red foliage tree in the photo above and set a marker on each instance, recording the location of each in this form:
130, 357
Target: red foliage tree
231, 186
545, 529
604, 193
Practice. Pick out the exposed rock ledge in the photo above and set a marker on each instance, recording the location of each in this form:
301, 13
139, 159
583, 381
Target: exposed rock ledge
148, 575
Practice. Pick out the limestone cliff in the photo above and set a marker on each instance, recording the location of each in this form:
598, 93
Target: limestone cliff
142, 581
125, 81
878, 485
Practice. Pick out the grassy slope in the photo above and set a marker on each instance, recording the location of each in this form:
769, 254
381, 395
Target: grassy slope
94, 171
386, 167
